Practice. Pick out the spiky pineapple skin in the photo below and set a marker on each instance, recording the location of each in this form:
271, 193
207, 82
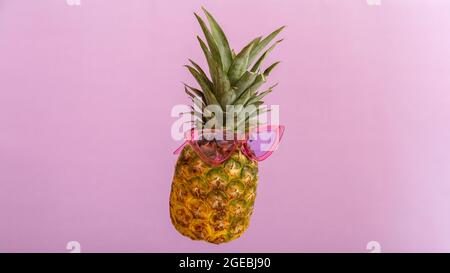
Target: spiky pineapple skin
213, 203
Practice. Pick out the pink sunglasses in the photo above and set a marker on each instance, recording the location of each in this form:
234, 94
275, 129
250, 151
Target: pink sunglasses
213, 148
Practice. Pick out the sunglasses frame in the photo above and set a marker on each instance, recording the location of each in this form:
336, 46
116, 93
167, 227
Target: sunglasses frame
192, 136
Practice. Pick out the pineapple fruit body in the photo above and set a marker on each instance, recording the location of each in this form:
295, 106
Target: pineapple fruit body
213, 203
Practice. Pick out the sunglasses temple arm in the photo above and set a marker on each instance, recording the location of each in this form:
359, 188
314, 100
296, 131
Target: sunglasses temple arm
280, 136
177, 151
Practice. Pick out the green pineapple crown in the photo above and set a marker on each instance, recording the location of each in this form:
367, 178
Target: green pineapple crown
234, 79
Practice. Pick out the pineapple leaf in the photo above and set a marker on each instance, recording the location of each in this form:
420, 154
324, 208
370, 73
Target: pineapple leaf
228, 98
270, 68
221, 40
240, 63
196, 118
199, 69
209, 38
258, 98
251, 91
258, 48
209, 95
210, 60
264, 55
245, 82
255, 113
260, 80
203, 76
196, 101
243, 116
211, 98
189, 93
194, 91
220, 79
226, 94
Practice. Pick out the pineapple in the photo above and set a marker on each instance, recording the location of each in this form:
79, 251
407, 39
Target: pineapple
215, 203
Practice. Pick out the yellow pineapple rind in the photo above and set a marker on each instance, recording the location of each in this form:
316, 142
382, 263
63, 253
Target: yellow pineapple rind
213, 203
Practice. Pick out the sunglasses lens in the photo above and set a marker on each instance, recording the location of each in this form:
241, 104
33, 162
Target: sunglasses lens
215, 151
207, 148
261, 143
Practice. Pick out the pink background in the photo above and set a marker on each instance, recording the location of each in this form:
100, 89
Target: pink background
85, 145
